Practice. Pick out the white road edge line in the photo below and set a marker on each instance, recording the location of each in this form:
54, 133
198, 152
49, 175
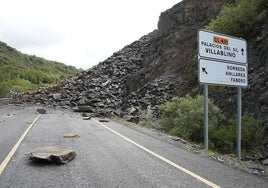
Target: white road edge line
205, 181
15, 147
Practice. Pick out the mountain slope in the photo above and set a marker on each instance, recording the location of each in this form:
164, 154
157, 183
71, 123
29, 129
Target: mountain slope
22, 72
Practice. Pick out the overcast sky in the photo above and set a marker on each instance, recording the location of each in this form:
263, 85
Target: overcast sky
81, 33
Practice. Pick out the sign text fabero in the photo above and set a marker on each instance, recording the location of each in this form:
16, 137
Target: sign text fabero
222, 73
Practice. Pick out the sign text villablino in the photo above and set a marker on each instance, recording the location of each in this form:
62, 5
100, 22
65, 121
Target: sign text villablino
220, 47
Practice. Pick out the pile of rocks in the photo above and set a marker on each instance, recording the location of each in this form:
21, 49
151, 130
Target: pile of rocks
149, 97
109, 87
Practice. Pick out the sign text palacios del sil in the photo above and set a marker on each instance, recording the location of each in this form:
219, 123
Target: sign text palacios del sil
216, 46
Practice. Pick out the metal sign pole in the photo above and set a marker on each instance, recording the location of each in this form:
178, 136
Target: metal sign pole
238, 131
206, 116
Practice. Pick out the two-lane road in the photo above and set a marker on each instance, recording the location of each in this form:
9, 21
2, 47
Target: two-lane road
108, 155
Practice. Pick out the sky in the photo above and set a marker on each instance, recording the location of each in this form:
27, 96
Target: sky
80, 33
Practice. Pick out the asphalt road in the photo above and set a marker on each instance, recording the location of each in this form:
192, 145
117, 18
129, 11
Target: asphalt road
108, 155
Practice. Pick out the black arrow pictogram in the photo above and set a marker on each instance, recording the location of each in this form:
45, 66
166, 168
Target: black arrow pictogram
204, 70
242, 50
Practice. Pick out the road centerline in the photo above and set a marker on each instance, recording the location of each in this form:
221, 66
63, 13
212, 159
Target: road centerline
16, 146
190, 173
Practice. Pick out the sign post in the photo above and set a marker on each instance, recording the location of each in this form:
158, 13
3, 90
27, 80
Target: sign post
222, 60
238, 131
206, 116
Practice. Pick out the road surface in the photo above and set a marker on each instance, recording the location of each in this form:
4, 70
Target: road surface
108, 155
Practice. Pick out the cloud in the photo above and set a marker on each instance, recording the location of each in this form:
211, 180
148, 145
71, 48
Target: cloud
23, 36
25, 24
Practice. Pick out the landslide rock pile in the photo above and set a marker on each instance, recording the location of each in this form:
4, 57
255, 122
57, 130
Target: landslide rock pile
143, 74
99, 90
108, 87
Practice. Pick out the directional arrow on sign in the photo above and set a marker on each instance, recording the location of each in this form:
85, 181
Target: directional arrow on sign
204, 70
219, 73
213, 46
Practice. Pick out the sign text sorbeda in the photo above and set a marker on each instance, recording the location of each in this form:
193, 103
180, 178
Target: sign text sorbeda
219, 73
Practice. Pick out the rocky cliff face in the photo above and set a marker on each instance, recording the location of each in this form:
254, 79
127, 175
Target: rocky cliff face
159, 66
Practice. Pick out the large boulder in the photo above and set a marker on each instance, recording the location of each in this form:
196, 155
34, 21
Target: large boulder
52, 154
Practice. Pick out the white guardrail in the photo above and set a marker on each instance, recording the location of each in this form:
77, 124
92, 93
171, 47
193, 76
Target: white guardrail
5, 100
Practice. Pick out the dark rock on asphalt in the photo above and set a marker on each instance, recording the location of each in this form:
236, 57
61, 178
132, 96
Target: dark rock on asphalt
103, 120
52, 154
86, 118
41, 111
264, 162
71, 135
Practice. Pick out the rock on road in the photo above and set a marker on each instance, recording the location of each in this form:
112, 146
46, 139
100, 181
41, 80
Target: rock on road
108, 155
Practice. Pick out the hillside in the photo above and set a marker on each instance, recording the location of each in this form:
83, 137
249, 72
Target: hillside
21, 72
163, 64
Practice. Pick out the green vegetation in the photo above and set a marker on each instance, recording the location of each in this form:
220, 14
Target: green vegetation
147, 119
223, 139
238, 18
21, 72
183, 117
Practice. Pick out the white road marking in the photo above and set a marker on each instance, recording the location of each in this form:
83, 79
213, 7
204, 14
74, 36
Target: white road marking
205, 181
15, 147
